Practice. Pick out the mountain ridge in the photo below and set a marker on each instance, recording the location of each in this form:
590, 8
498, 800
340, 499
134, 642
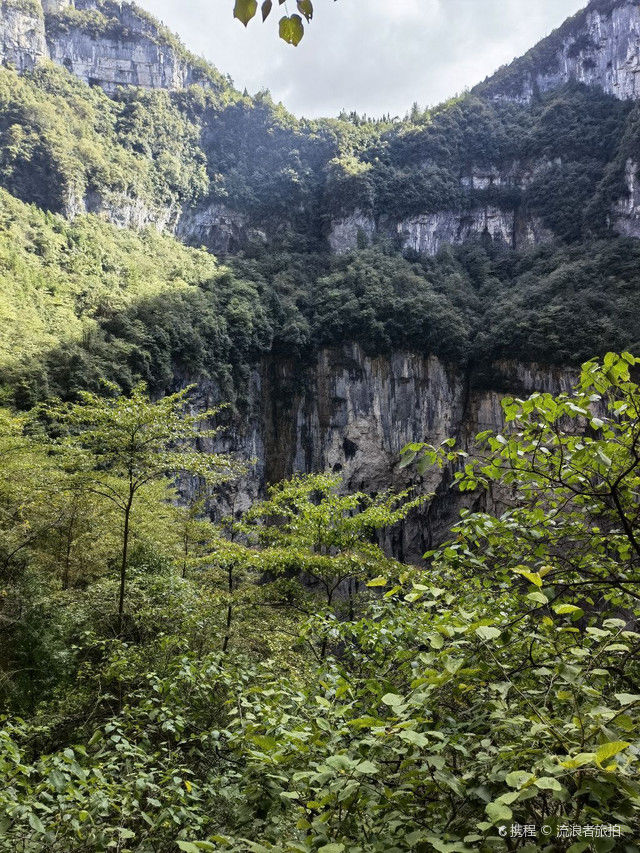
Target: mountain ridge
599, 45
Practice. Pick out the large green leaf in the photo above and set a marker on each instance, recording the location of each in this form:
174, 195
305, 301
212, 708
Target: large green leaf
488, 632
608, 750
244, 10
498, 812
291, 29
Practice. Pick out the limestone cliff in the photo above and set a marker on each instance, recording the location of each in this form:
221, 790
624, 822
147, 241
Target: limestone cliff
600, 46
112, 44
102, 42
22, 34
626, 213
352, 414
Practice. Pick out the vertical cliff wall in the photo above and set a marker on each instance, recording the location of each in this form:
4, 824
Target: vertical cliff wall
351, 414
600, 46
22, 34
103, 42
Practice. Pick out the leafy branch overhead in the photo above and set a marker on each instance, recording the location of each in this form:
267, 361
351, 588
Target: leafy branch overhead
290, 27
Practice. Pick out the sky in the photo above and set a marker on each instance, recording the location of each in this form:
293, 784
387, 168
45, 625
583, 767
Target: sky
373, 56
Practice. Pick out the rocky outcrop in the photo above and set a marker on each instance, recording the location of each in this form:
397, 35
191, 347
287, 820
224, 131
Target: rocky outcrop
215, 227
122, 210
626, 213
102, 42
427, 234
110, 44
351, 232
352, 414
22, 35
600, 46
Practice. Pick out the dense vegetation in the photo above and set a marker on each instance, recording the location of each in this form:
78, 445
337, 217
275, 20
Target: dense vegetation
66, 146
86, 301
303, 692
274, 681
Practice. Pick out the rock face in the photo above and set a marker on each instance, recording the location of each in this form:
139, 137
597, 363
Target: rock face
428, 233
351, 231
108, 43
626, 213
128, 50
214, 226
22, 34
599, 46
122, 210
352, 414
102, 42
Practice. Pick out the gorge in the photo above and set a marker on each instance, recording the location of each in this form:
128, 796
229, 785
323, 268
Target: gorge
503, 224
319, 448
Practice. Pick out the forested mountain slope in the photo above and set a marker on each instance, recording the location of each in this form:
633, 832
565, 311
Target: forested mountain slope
188, 153
492, 232
263, 627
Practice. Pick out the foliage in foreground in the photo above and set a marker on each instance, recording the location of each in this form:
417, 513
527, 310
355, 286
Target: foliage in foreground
498, 685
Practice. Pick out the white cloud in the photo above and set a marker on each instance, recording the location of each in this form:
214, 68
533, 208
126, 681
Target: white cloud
375, 57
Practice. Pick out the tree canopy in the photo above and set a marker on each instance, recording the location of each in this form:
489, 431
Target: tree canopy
440, 707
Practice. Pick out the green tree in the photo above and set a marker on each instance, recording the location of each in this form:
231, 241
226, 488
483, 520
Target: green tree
307, 529
121, 445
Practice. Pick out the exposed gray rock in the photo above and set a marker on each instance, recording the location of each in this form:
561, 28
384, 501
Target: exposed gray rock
626, 213
351, 231
109, 63
22, 39
427, 234
352, 414
128, 49
52, 7
598, 48
122, 210
216, 227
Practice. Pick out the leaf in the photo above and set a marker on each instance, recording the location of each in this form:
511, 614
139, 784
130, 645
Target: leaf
579, 760
378, 582
498, 812
508, 798
266, 9
436, 641
538, 597
416, 738
305, 7
35, 823
423, 464
548, 783
562, 609
407, 458
608, 750
392, 699
579, 847
518, 778
532, 577
367, 768
332, 848
291, 29
244, 10
487, 632
627, 698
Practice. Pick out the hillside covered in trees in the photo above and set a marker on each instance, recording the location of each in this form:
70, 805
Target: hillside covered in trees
196, 655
